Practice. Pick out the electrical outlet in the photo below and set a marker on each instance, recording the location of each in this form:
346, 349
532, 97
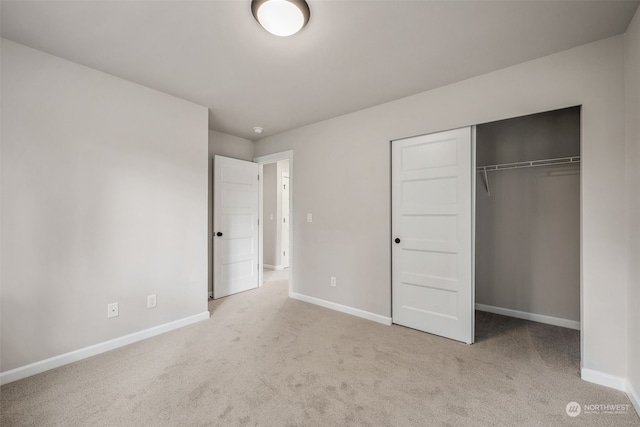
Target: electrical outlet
151, 301
112, 310
333, 281
309, 217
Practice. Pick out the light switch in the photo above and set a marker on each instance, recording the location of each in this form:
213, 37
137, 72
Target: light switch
309, 217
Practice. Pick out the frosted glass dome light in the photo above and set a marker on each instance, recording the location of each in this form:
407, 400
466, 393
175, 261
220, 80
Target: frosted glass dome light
281, 17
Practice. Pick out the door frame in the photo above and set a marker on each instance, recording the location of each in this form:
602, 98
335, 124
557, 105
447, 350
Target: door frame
261, 161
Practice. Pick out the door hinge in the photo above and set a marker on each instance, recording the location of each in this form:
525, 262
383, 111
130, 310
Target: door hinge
258, 177
284, 219
284, 253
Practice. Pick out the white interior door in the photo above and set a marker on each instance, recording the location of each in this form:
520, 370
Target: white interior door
285, 220
235, 226
432, 229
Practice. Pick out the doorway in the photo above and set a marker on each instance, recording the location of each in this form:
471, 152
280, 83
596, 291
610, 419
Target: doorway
275, 219
276, 211
528, 225
284, 235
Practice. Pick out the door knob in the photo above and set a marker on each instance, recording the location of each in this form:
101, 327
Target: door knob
218, 234
397, 240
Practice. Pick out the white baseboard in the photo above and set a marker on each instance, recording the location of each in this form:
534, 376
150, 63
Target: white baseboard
601, 378
556, 321
633, 396
83, 353
272, 267
342, 308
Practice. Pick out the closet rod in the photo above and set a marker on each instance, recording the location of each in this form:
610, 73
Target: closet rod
530, 164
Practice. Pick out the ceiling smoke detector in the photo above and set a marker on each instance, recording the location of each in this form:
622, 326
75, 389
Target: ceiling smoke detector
258, 130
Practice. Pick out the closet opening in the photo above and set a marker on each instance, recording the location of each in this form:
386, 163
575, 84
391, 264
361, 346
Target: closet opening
527, 234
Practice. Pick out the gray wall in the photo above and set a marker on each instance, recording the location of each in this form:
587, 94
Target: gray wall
104, 199
551, 134
633, 200
528, 241
222, 144
343, 177
528, 228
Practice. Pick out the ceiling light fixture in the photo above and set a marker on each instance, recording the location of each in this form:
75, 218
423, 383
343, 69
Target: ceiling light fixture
281, 17
258, 130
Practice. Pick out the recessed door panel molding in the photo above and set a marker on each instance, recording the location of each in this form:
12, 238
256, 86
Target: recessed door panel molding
240, 246
432, 233
236, 175
433, 303
431, 228
429, 155
237, 196
438, 190
429, 281
235, 219
239, 225
429, 263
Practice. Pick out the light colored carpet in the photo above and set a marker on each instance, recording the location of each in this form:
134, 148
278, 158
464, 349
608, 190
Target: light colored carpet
274, 275
263, 359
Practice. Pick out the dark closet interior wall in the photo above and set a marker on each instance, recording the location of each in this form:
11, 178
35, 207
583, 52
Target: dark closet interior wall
528, 229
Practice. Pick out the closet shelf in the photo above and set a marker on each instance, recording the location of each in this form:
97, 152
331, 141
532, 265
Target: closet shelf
533, 163
530, 164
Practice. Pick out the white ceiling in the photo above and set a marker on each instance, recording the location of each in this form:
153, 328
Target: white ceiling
352, 55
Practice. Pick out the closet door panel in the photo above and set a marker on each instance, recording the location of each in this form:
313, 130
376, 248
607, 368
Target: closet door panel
432, 244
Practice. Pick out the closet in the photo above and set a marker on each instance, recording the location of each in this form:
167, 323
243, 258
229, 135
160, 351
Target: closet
486, 218
527, 220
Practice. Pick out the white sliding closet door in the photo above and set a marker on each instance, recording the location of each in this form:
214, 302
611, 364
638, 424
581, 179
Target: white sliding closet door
432, 229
